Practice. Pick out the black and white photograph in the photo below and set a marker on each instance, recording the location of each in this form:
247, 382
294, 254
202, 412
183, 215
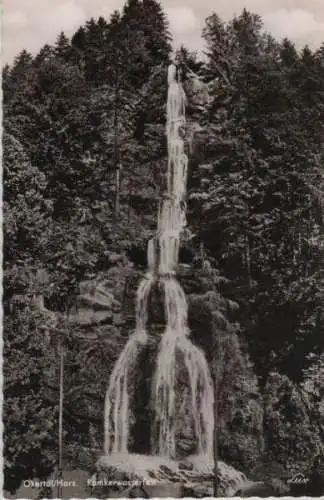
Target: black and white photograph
163, 248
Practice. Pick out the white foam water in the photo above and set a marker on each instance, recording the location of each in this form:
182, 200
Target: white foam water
163, 258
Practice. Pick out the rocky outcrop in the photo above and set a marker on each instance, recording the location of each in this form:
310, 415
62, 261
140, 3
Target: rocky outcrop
194, 473
101, 300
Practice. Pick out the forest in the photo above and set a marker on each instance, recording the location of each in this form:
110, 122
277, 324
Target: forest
84, 163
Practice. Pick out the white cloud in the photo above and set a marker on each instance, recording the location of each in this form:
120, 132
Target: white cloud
15, 19
35, 23
66, 16
296, 24
106, 10
182, 19
31, 23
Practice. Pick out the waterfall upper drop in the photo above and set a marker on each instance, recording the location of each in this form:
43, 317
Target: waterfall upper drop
163, 257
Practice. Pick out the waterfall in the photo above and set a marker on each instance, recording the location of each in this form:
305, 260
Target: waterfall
163, 258
116, 420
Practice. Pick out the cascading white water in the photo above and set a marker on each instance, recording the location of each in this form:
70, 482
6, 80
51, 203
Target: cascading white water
163, 257
116, 420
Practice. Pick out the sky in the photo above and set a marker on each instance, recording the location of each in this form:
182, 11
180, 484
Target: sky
30, 24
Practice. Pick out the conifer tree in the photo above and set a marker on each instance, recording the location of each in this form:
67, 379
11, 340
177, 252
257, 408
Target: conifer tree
62, 46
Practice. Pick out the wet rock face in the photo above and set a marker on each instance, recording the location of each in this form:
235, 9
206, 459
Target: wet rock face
142, 412
186, 440
156, 311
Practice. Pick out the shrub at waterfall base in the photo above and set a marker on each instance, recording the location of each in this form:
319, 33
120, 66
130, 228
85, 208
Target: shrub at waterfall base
30, 409
240, 416
291, 439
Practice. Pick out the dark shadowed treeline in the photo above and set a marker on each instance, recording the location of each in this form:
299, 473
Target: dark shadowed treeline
84, 163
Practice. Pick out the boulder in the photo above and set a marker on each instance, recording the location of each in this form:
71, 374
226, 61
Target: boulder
161, 477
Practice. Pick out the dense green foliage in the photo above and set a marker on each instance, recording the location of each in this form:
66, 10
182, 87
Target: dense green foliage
259, 212
84, 164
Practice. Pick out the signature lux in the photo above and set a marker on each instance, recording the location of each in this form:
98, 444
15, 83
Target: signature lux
298, 479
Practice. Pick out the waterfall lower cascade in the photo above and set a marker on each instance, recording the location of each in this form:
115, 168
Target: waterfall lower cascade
163, 257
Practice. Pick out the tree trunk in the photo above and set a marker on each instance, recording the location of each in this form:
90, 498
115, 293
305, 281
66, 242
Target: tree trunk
215, 437
216, 382
117, 198
248, 261
60, 443
116, 151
